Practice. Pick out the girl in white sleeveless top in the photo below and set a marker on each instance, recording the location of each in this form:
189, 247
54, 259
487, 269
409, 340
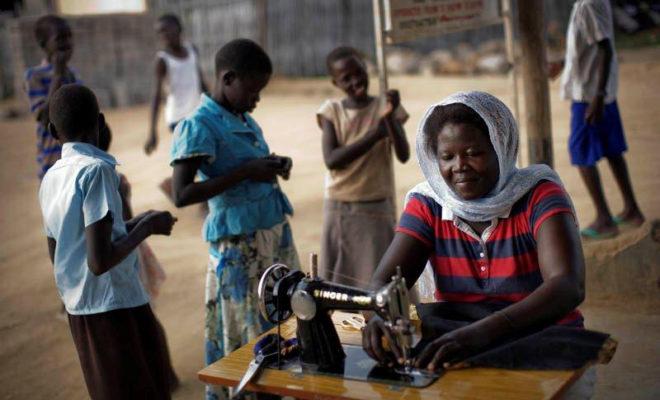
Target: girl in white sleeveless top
183, 83
178, 69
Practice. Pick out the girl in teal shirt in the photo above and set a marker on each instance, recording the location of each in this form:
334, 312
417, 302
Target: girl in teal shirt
247, 225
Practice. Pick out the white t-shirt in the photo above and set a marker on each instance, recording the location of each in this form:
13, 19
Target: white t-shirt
183, 84
590, 22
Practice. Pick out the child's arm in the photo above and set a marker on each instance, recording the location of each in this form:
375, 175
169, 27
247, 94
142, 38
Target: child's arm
338, 157
394, 127
186, 191
125, 194
127, 211
603, 65
103, 253
152, 141
52, 244
202, 83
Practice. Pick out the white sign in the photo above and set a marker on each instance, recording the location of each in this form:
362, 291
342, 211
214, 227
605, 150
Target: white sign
411, 19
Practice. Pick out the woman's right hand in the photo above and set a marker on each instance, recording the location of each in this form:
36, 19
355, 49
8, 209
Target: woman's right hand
372, 342
262, 169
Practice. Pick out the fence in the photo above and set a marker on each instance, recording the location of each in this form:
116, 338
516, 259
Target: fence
114, 53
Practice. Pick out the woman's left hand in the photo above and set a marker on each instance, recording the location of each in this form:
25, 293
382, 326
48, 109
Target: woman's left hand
451, 348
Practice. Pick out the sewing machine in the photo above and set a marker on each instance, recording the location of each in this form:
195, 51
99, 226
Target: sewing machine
284, 292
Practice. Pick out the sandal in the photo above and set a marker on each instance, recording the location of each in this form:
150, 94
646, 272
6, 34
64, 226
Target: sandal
625, 224
591, 233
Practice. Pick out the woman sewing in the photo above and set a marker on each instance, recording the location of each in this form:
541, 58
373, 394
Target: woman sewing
494, 234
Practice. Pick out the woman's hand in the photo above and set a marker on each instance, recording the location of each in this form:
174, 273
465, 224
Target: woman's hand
452, 347
372, 342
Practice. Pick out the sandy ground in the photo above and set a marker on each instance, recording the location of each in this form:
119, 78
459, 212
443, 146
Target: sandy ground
37, 357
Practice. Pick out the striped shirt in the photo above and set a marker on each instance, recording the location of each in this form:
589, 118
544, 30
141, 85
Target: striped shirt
37, 84
501, 265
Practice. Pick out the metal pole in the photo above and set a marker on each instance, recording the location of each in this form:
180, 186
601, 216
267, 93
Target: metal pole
535, 82
507, 15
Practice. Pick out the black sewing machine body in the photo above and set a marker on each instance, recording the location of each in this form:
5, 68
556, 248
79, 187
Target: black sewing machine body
284, 293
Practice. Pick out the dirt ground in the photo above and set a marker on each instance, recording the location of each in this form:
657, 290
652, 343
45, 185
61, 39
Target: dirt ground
37, 357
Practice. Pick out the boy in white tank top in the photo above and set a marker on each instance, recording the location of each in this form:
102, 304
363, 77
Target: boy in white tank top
177, 67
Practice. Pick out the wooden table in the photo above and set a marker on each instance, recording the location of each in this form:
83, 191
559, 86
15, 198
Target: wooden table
473, 383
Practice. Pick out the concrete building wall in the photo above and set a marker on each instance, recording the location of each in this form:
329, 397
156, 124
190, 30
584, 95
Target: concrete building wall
113, 54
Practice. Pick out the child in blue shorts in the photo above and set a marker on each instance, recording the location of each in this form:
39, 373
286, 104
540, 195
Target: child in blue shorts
94, 260
246, 226
589, 79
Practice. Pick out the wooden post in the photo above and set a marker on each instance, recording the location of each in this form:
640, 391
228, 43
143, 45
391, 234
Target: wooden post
535, 82
507, 16
380, 47
262, 21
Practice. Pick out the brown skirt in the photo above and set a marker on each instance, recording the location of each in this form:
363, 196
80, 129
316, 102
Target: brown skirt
355, 237
123, 354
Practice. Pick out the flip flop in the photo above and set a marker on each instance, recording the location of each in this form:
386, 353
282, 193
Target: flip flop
591, 233
623, 223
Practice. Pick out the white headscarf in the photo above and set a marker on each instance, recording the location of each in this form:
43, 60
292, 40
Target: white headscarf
512, 184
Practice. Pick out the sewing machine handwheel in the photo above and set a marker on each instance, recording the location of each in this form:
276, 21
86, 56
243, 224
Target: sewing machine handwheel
268, 302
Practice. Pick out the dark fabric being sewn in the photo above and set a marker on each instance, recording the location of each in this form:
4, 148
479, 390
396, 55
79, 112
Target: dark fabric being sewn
553, 347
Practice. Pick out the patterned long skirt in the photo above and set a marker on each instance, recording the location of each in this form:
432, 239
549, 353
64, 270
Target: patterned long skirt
235, 266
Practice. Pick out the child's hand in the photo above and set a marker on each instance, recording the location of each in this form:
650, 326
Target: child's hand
263, 169
285, 165
152, 142
161, 222
393, 99
381, 129
554, 69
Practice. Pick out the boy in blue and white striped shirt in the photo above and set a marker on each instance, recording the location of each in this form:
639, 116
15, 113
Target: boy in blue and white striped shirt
53, 34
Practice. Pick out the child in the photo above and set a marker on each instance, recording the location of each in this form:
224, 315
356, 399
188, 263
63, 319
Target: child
358, 135
246, 227
151, 272
589, 80
93, 254
177, 63
53, 34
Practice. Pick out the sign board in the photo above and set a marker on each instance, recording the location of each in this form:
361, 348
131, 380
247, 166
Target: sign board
410, 19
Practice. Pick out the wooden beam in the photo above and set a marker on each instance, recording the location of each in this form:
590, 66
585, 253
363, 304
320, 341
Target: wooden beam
379, 36
535, 82
507, 16
262, 23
